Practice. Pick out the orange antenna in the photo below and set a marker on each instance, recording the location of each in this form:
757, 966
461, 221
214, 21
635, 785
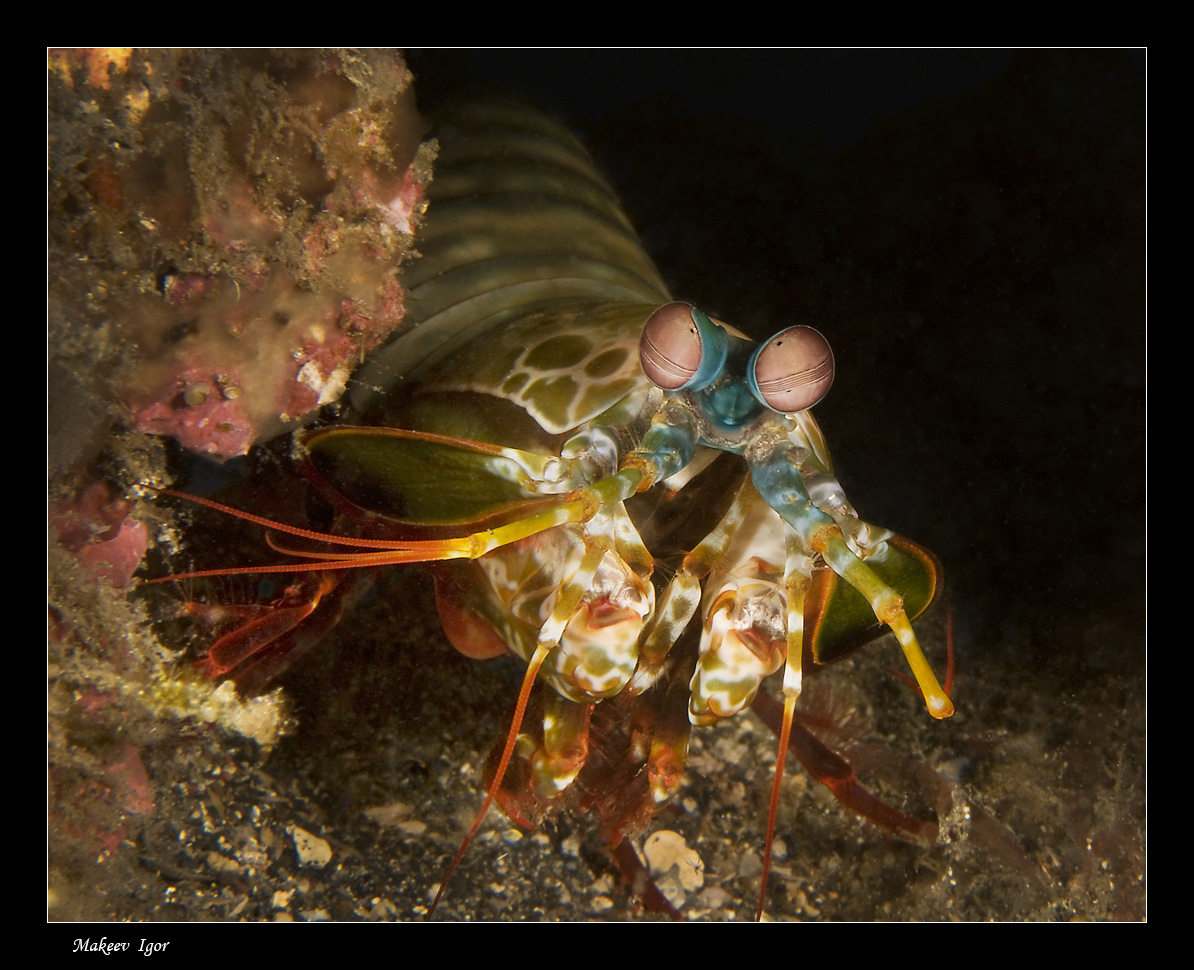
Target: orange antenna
785, 735
524, 695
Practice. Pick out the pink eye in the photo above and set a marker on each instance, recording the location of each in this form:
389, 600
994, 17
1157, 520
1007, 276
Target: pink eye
792, 371
681, 348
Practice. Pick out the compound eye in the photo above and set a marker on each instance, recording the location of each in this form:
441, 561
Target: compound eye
792, 371
681, 348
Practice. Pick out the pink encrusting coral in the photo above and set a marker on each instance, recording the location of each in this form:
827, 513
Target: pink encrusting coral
237, 220
99, 531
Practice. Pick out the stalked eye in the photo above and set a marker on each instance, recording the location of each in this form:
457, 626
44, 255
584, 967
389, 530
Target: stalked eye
681, 348
792, 371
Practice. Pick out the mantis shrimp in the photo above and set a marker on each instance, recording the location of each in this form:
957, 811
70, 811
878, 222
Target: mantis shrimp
550, 426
